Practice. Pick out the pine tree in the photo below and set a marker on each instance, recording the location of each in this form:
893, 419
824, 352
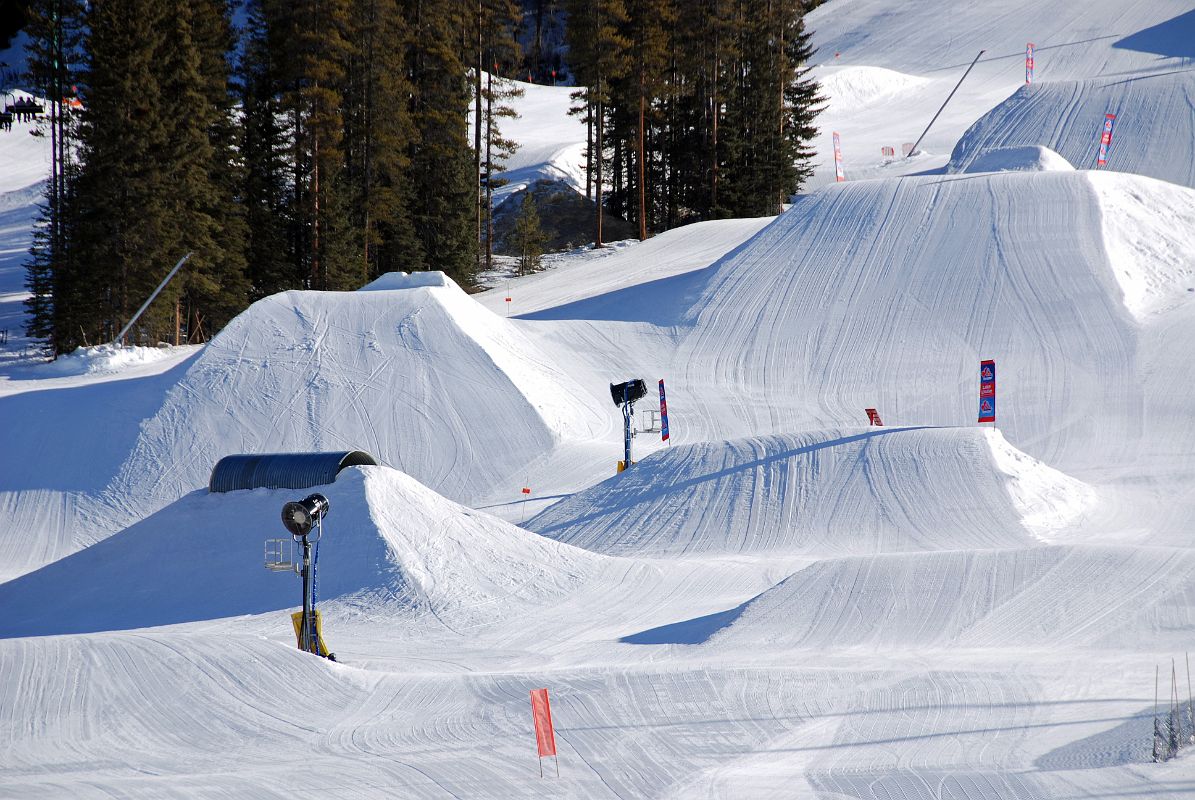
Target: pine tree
121, 186
598, 55
378, 135
443, 187
271, 263
529, 237
54, 31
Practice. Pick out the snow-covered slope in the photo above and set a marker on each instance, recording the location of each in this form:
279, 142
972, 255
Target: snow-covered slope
1117, 52
201, 559
781, 603
1155, 124
862, 491
416, 376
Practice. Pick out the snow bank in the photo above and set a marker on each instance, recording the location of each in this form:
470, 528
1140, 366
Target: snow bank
1040, 597
1019, 159
424, 379
385, 536
826, 492
1155, 125
106, 359
855, 86
407, 280
1149, 234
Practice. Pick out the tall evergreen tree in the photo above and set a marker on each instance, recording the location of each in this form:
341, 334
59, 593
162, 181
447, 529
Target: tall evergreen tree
443, 184
598, 51
54, 31
378, 136
271, 263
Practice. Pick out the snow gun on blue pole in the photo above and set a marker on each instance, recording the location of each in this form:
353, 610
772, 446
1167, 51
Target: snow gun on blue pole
624, 395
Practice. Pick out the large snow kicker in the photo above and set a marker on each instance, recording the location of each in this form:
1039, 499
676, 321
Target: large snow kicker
390, 545
421, 377
847, 491
1155, 124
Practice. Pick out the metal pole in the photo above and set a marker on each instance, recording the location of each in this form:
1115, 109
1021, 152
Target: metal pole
1156, 753
940, 110
120, 336
305, 628
628, 410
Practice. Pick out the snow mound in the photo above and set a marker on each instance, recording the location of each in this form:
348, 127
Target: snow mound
1040, 597
106, 359
419, 378
406, 280
390, 544
877, 490
1019, 159
855, 86
1149, 234
881, 294
602, 284
1155, 125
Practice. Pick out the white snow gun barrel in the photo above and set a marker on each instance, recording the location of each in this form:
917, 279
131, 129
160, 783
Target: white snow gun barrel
120, 336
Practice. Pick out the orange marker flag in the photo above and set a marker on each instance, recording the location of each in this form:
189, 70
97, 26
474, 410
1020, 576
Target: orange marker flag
545, 738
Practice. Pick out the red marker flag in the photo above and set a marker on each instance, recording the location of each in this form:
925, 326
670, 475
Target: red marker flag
839, 174
873, 417
526, 490
545, 738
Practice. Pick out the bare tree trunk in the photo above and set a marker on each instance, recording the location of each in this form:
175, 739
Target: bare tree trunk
477, 132
597, 240
489, 170
315, 259
642, 170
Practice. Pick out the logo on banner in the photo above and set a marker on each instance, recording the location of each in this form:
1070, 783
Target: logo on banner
1106, 139
663, 414
987, 391
1029, 63
839, 174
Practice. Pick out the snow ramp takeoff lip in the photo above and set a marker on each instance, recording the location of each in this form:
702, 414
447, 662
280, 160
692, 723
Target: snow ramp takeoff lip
422, 378
825, 492
1155, 124
1042, 597
390, 544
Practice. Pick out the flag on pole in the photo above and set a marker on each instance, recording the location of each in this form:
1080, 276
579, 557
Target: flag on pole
545, 738
873, 417
1106, 139
663, 414
839, 174
987, 391
1029, 63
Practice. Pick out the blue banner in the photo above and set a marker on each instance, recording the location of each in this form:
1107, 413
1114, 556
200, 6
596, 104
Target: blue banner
987, 391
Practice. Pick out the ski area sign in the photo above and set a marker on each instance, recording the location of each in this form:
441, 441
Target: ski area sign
1106, 139
987, 391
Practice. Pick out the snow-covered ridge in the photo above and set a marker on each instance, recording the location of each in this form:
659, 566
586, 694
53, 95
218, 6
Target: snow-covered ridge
1149, 233
853, 86
1155, 124
200, 559
826, 492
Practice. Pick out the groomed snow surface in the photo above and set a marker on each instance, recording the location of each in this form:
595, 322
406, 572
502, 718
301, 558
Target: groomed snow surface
781, 601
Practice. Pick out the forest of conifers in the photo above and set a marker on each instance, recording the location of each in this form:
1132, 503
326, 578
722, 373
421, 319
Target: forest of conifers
316, 144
